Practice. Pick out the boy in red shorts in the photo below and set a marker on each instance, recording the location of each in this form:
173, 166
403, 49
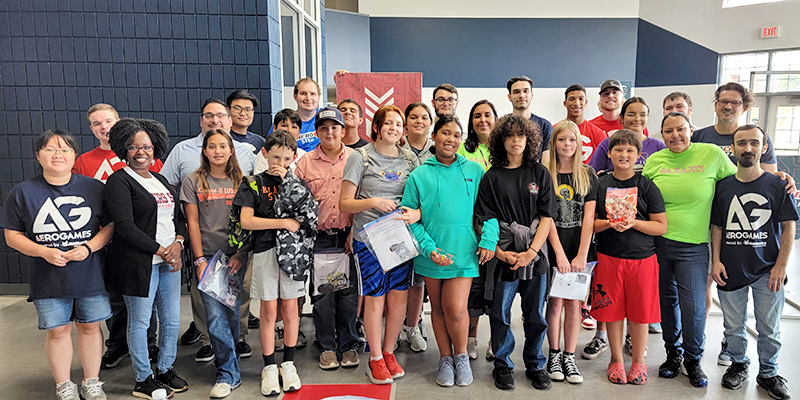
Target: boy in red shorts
630, 212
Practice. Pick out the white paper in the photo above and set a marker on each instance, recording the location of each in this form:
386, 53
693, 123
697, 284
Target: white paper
572, 285
331, 272
390, 240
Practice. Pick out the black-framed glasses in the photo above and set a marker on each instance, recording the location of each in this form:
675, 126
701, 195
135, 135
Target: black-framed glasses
134, 148
210, 116
441, 100
734, 103
246, 110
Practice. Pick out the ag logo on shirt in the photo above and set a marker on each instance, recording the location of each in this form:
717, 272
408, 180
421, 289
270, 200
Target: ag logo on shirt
53, 229
738, 220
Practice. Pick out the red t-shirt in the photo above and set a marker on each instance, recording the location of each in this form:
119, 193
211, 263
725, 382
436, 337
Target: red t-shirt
591, 136
99, 164
610, 126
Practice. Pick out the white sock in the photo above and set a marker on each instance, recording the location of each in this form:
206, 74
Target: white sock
601, 335
371, 358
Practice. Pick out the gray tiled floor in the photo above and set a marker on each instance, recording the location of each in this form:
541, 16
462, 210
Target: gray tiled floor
26, 375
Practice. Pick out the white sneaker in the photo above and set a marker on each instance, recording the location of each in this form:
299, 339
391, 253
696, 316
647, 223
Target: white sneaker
291, 381
67, 391
221, 390
92, 389
415, 339
472, 348
270, 386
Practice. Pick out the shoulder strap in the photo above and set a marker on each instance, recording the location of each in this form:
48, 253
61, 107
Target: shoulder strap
410, 159
365, 164
254, 182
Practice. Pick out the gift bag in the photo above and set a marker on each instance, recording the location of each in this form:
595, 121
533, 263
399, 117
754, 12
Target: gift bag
218, 282
331, 272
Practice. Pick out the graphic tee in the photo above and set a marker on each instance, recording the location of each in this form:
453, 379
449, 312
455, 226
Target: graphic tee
61, 217
100, 164
610, 126
165, 226
213, 210
267, 193
750, 214
709, 134
591, 137
383, 177
569, 220
637, 195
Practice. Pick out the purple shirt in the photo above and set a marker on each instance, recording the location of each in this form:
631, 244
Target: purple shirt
601, 162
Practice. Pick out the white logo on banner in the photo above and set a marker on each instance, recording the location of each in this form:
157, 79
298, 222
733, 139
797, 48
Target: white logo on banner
374, 102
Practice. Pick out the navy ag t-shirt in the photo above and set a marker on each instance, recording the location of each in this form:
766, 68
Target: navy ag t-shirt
750, 214
62, 217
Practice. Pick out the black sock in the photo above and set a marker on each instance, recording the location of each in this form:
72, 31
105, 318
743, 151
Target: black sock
269, 360
288, 353
569, 354
553, 351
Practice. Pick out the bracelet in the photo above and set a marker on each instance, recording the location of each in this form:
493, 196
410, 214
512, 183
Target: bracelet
87, 248
179, 241
199, 260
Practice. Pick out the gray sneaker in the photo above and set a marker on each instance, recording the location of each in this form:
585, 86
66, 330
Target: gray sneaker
463, 370
92, 389
446, 375
67, 391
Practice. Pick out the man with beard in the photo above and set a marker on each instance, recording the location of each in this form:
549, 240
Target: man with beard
520, 94
731, 100
752, 255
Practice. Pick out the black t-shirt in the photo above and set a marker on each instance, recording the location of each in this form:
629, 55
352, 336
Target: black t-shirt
246, 197
516, 195
750, 214
359, 144
631, 244
569, 221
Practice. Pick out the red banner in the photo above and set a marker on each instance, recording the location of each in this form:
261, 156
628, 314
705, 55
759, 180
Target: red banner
375, 89
342, 392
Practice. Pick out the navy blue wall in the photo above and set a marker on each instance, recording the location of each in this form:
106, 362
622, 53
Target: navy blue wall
665, 59
153, 59
482, 53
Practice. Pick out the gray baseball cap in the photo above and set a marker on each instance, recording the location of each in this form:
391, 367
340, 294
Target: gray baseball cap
329, 114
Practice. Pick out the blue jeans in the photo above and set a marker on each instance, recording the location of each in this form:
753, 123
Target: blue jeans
55, 312
223, 331
767, 307
682, 277
335, 312
165, 293
532, 293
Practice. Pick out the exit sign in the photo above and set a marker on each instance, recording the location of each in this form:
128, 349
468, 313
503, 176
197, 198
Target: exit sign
770, 32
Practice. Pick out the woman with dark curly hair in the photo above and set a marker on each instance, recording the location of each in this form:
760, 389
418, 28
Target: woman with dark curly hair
149, 233
518, 191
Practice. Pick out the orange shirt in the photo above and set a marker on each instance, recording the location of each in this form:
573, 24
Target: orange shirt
324, 177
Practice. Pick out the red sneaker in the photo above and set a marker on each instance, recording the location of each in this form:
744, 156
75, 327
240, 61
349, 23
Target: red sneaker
638, 374
377, 372
616, 373
391, 364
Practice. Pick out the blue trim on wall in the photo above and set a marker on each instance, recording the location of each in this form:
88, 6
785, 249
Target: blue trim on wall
485, 52
666, 59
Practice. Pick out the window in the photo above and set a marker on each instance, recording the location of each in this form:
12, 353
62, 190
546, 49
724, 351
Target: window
739, 3
737, 68
787, 128
300, 38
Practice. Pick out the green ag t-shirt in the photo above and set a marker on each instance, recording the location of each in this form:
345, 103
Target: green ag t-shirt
687, 182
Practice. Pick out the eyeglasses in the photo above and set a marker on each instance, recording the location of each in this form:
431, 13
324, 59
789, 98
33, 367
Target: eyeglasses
441, 100
134, 148
734, 103
51, 152
210, 116
238, 110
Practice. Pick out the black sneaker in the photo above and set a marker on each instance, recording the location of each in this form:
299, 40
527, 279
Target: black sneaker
152, 353
243, 349
671, 368
171, 380
503, 378
252, 322
539, 379
205, 354
775, 387
112, 358
593, 349
191, 336
145, 389
735, 376
692, 369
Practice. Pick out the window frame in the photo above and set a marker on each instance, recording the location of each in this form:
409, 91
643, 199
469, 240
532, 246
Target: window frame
299, 64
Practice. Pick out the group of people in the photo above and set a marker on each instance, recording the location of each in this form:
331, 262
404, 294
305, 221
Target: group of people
496, 214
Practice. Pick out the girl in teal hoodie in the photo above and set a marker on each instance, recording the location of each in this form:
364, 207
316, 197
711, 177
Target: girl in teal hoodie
444, 189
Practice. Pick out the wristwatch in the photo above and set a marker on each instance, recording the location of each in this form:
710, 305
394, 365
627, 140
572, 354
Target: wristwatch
180, 241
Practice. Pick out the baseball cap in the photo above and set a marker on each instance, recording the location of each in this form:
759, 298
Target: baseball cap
610, 84
329, 114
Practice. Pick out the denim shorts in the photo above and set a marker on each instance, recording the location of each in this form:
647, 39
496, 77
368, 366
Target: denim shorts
83, 310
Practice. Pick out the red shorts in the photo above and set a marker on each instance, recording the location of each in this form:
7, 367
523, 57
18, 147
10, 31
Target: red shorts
623, 288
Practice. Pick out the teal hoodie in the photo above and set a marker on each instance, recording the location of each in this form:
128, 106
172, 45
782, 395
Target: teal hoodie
446, 196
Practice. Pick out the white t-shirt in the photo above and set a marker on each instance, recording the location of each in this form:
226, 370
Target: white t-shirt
165, 227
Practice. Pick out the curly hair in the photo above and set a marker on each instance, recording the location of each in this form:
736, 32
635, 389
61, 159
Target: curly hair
472, 142
513, 125
232, 169
121, 136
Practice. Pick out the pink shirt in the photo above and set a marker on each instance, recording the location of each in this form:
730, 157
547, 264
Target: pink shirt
324, 177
